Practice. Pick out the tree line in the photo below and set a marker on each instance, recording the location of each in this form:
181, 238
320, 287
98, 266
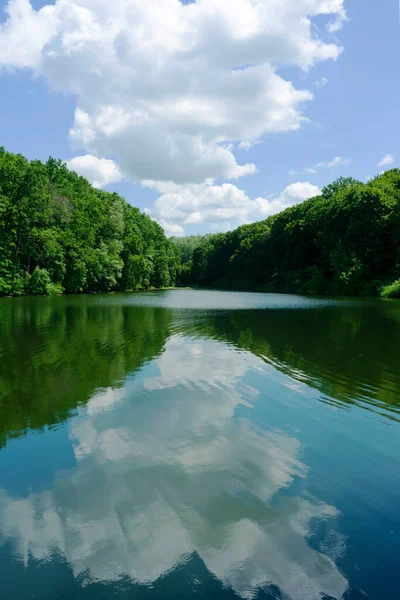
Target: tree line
59, 234
346, 241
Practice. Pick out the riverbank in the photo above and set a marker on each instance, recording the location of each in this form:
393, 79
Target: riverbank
391, 291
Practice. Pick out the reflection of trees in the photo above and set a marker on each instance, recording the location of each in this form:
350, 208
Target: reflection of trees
178, 475
349, 353
55, 353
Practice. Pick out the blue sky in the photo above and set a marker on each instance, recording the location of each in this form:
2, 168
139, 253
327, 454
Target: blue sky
353, 116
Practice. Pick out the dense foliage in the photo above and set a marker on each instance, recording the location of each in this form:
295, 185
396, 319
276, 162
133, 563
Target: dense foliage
59, 233
187, 245
392, 290
345, 241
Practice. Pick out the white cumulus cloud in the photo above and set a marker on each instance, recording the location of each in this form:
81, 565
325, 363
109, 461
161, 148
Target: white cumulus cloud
386, 161
220, 207
166, 87
98, 171
172, 228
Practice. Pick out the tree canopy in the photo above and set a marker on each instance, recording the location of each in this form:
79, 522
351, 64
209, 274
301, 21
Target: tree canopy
58, 233
345, 242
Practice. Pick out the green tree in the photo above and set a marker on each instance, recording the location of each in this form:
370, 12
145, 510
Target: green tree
84, 239
345, 241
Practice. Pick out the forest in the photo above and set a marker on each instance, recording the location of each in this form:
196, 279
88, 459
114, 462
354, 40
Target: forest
59, 234
346, 241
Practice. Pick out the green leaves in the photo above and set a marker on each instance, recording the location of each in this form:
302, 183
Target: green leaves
346, 242
40, 284
58, 232
392, 290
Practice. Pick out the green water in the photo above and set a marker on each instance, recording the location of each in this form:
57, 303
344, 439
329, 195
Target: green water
199, 444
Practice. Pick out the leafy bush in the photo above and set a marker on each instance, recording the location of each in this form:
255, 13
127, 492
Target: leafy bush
12, 284
18, 284
392, 290
54, 289
40, 284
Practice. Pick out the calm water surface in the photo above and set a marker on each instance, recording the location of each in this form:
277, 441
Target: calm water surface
199, 444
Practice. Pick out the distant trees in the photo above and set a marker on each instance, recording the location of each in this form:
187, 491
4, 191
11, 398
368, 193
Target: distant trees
187, 245
345, 242
58, 233
340, 184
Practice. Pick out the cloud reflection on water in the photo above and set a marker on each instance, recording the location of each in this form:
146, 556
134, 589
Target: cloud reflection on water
167, 469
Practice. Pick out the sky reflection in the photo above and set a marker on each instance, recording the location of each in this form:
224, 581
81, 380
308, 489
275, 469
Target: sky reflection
165, 469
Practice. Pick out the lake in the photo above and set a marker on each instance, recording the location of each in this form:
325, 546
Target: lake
203, 444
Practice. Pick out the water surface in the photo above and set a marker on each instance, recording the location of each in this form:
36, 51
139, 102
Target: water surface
202, 444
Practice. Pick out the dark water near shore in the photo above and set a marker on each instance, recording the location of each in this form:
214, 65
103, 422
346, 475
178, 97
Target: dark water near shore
199, 444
